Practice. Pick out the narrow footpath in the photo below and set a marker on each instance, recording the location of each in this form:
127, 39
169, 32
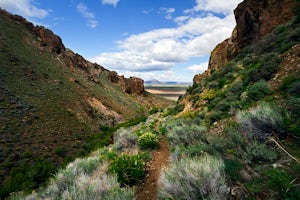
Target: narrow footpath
160, 158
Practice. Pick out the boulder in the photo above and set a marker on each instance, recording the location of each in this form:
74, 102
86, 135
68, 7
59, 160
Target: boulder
134, 85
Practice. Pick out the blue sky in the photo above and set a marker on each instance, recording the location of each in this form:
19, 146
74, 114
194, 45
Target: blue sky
168, 40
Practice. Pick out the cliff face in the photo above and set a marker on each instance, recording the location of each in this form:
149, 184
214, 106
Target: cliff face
254, 19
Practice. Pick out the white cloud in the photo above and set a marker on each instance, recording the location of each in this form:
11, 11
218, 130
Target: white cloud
217, 6
168, 12
194, 36
163, 48
24, 8
200, 68
147, 11
84, 11
110, 2
165, 75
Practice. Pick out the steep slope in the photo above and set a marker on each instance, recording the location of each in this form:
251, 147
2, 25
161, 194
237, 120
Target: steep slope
255, 19
248, 100
54, 104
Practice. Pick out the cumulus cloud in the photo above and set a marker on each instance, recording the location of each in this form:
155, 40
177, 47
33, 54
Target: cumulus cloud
194, 36
168, 12
217, 6
110, 2
162, 48
165, 75
84, 11
25, 8
200, 68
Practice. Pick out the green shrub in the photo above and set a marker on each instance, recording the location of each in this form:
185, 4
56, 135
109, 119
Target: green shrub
148, 141
185, 134
265, 67
175, 110
60, 151
124, 138
233, 168
257, 91
287, 82
258, 152
208, 94
129, 169
261, 121
162, 129
278, 179
255, 186
198, 149
295, 89
215, 116
27, 177
194, 178
154, 110
282, 182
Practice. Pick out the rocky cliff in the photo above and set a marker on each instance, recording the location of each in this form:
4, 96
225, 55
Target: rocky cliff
254, 19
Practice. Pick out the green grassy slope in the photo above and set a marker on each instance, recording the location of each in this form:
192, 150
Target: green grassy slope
46, 114
251, 108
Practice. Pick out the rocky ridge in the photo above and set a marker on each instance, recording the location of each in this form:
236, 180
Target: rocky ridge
53, 43
255, 19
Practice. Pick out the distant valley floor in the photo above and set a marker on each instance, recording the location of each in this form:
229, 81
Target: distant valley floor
171, 92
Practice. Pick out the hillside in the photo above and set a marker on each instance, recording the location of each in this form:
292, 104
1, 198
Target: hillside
55, 105
233, 135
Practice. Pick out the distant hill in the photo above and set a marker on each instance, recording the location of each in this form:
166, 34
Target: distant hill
157, 82
54, 104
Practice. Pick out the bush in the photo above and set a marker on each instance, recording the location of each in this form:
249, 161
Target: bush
208, 94
124, 138
278, 179
129, 169
84, 187
175, 110
258, 152
295, 89
287, 82
27, 177
233, 168
261, 121
185, 134
154, 110
194, 178
265, 67
198, 149
231, 141
148, 141
257, 91
215, 116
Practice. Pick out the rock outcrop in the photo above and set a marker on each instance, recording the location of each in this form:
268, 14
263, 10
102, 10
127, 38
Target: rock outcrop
115, 78
48, 40
255, 19
134, 85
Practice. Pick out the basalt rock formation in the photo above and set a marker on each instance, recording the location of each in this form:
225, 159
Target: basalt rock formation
255, 19
135, 86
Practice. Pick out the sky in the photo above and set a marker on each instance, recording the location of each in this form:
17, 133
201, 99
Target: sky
166, 40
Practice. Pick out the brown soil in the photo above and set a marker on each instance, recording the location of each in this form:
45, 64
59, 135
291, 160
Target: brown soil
148, 189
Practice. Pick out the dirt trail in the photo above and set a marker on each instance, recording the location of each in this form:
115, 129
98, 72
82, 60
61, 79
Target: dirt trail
160, 157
